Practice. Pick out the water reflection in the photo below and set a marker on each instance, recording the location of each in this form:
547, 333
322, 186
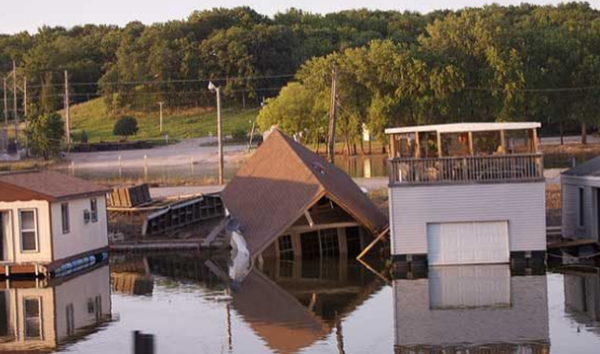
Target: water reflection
582, 298
37, 316
474, 309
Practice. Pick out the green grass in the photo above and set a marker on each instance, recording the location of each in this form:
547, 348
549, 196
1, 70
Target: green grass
94, 117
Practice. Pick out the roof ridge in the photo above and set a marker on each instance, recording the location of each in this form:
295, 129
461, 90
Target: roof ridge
288, 142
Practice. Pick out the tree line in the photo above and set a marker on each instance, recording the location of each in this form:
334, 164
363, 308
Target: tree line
495, 63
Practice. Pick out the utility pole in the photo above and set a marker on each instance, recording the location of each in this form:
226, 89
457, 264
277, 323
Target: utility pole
15, 109
67, 113
161, 116
332, 116
5, 104
25, 96
217, 90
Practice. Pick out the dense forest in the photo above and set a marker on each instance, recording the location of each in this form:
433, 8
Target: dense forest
493, 63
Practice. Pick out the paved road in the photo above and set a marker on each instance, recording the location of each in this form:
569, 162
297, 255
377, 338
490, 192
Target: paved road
177, 154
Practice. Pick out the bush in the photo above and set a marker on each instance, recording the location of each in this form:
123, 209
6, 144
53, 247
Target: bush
239, 134
83, 137
125, 127
46, 133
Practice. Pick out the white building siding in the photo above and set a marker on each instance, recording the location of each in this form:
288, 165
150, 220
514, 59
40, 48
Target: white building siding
82, 237
13, 249
521, 204
571, 227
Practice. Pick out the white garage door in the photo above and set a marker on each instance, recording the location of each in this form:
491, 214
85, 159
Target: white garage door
468, 243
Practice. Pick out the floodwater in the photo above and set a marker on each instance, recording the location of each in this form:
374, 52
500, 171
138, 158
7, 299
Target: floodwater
360, 166
355, 166
186, 305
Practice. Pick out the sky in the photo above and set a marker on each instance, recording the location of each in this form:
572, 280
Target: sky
29, 15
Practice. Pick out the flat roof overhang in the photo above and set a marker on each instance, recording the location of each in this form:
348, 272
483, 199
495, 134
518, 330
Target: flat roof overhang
464, 127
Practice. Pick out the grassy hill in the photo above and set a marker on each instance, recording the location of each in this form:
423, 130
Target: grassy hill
94, 117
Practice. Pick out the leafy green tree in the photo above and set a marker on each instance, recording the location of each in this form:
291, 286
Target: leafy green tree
125, 127
46, 133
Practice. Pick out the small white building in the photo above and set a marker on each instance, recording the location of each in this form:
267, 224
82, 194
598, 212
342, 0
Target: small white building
466, 193
50, 223
580, 201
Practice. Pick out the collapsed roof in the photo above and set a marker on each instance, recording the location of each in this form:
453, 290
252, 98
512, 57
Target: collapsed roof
281, 181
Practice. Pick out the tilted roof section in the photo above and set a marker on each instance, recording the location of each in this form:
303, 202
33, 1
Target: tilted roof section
45, 185
464, 127
589, 168
281, 181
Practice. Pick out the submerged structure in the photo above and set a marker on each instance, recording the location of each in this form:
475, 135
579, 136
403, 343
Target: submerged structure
50, 224
466, 193
289, 203
580, 201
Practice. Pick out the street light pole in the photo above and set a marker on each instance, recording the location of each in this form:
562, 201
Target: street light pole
217, 90
161, 116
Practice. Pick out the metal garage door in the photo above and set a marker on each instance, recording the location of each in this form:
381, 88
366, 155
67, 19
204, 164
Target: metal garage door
468, 243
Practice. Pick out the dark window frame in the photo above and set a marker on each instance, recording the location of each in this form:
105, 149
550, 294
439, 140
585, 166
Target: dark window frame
65, 218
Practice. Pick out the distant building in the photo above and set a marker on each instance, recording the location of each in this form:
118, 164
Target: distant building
471, 309
466, 193
582, 297
41, 317
291, 203
50, 223
580, 201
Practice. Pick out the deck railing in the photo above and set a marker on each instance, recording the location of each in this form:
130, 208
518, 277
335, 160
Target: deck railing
467, 169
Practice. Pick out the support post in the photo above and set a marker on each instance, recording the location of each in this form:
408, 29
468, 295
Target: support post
25, 96
439, 144
471, 145
534, 137
417, 145
251, 136
503, 142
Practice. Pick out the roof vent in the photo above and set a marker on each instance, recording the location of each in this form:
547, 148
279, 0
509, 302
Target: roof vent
318, 167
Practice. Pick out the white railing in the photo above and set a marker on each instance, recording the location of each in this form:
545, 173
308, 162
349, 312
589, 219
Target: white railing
467, 169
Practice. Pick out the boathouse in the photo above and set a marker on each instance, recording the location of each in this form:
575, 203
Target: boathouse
50, 224
289, 202
580, 201
466, 193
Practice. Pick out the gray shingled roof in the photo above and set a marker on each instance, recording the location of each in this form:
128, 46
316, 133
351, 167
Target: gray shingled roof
586, 169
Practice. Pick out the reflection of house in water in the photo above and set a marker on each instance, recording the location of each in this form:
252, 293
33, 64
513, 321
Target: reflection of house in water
479, 307
290, 202
292, 308
582, 298
132, 277
36, 318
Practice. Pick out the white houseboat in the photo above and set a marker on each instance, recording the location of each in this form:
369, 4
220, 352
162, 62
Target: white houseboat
466, 193
51, 224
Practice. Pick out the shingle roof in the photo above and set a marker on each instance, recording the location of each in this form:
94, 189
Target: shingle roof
45, 185
588, 168
282, 180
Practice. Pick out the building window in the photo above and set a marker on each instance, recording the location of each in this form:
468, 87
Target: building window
581, 215
32, 318
66, 223
94, 209
286, 248
29, 237
329, 243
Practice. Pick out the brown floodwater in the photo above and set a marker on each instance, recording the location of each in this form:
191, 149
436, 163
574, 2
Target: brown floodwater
186, 304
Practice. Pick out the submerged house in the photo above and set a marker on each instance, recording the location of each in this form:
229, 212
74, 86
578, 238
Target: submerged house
50, 223
466, 193
289, 202
580, 201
